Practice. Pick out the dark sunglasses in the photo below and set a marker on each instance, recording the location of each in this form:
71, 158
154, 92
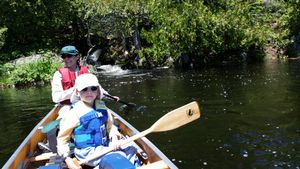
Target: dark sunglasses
93, 88
67, 56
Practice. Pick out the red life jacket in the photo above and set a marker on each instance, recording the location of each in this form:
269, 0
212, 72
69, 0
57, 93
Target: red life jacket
68, 78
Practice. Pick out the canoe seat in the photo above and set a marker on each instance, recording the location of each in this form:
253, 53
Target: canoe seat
51, 129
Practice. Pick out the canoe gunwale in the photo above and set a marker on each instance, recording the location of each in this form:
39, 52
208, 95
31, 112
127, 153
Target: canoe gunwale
28, 145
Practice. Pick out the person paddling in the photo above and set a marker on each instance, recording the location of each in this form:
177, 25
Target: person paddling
63, 80
90, 123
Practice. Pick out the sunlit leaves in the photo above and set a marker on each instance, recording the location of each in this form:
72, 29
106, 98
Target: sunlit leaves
36, 72
201, 28
214, 29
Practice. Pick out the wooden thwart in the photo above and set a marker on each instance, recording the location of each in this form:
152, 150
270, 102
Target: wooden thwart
44, 156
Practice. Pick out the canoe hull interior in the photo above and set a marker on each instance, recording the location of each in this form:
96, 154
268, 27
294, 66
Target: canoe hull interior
21, 157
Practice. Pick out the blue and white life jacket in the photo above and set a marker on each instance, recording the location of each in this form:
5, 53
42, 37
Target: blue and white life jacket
92, 129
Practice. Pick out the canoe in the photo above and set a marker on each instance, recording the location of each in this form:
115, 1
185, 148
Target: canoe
150, 156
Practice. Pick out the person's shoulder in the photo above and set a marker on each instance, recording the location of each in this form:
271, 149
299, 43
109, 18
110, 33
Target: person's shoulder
77, 105
74, 111
69, 117
100, 104
63, 69
57, 74
84, 69
79, 108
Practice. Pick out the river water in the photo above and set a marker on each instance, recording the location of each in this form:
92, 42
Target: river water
250, 115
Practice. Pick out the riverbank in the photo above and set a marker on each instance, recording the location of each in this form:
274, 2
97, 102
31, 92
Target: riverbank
38, 69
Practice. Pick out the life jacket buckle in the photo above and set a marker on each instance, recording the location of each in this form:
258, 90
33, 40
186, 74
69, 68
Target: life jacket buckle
99, 114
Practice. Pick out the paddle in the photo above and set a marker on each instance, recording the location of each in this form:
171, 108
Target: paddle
169, 121
121, 101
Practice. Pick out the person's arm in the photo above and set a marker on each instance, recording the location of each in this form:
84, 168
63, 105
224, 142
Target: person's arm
106, 93
66, 126
58, 94
113, 132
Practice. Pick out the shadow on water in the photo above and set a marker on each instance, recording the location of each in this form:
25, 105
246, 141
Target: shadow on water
250, 115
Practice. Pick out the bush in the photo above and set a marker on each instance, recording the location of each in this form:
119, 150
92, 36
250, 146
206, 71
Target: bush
214, 32
38, 72
33, 73
2, 36
5, 72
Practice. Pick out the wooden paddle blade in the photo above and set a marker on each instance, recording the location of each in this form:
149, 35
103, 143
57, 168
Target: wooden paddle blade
177, 118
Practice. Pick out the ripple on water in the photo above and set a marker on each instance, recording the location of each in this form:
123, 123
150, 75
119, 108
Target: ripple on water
272, 150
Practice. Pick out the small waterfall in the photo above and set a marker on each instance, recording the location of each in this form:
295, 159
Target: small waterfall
113, 70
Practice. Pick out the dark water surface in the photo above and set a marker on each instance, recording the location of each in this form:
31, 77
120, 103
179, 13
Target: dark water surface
250, 115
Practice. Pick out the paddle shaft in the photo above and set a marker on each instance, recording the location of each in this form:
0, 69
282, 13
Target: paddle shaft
109, 149
170, 121
121, 101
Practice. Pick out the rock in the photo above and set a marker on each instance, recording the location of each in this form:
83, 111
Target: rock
184, 62
28, 59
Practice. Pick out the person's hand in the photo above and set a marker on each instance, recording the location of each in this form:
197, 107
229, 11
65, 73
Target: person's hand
113, 138
116, 98
70, 163
116, 144
114, 134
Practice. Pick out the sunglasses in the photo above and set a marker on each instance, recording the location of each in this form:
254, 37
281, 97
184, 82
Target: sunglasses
93, 88
67, 56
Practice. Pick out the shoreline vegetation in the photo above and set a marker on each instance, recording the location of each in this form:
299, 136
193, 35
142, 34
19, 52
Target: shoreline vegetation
29, 71
37, 70
143, 34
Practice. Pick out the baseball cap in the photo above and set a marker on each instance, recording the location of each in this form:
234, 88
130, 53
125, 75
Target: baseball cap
70, 50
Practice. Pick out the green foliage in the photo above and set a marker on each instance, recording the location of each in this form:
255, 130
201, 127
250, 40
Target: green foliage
220, 30
38, 24
208, 30
110, 19
293, 20
40, 71
2, 36
5, 72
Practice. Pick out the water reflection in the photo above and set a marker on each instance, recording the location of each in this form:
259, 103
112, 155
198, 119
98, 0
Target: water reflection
250, 115
20, 111
249, 119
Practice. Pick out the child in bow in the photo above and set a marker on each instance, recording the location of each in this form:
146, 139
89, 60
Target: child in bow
90, 124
